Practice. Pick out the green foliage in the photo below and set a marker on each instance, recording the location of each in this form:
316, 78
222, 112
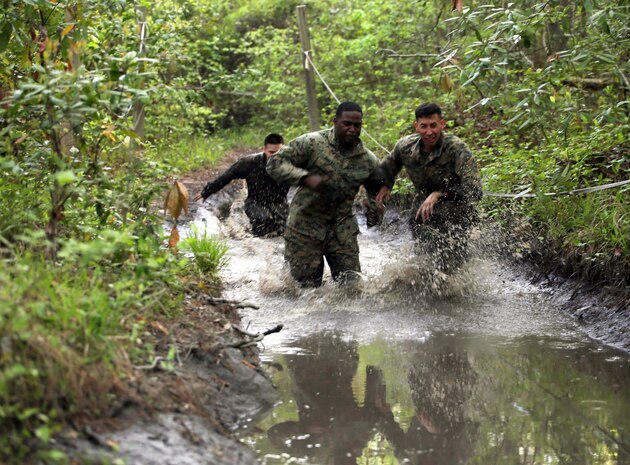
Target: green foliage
66, 328
209, 252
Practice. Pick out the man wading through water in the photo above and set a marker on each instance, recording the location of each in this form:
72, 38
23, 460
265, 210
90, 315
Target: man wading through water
266, 203
447, 183
328, 167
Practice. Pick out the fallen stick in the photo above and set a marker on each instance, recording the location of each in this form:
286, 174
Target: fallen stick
236, 303
256, 337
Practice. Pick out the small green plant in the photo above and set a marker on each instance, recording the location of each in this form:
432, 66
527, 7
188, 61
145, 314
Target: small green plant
209, 252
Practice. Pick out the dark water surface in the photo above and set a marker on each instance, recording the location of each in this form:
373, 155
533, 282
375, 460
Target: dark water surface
416, 368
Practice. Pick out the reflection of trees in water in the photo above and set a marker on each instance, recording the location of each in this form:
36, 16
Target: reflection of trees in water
333, 430
567, 405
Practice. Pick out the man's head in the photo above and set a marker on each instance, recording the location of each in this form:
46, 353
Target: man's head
429, 124
347, 122
273, 143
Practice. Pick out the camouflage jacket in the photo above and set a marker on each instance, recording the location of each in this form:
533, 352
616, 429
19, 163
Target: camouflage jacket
450, 167
261, 188
314, 214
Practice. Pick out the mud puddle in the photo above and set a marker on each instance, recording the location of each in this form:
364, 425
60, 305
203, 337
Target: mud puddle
419, 368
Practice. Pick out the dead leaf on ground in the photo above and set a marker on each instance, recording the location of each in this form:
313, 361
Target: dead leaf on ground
159, 326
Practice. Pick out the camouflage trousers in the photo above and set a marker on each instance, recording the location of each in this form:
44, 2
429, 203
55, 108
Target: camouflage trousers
305, 256
266, 219
444, 239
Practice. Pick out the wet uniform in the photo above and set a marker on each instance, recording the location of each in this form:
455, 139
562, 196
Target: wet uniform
266, 203
450, 168
322, 224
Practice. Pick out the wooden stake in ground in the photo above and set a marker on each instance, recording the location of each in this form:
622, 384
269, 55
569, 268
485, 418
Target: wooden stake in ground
309, 74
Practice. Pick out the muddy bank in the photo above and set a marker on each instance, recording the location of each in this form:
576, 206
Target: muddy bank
183, 411
602, 311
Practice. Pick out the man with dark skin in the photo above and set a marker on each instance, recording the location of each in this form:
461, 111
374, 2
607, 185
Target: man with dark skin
266, 203
447, 183
328, 167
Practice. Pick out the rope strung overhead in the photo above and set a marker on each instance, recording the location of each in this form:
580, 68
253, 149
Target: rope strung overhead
524, 194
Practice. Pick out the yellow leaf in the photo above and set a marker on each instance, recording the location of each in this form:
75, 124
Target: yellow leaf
447, 83
176, 200
171, 202
67, 30
174, 238
108, 133
182, 196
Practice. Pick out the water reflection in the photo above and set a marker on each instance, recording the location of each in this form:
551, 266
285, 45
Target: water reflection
331, 427
442, 381
449, 399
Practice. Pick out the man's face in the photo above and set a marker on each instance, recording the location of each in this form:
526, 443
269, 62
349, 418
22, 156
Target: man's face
430, 128
348, 128
271, 149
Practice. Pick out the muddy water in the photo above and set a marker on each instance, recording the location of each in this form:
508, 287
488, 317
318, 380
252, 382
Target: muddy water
418, 368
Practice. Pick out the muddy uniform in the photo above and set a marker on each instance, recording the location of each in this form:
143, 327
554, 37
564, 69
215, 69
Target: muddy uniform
451, 168
266, 203
322, 224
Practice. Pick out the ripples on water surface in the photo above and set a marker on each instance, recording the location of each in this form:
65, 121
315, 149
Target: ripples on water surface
478, 369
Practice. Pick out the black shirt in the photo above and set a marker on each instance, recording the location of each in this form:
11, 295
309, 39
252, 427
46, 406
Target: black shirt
261, 188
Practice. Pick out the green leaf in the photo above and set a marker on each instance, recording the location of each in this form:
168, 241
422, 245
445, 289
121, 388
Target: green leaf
65, 177
43, 433
5, 36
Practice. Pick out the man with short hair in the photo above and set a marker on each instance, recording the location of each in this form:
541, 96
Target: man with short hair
266, 203
447, 183
328, 167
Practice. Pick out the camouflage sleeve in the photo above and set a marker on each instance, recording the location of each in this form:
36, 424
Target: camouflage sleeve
236, 171
288, 166
390, 167
467, 170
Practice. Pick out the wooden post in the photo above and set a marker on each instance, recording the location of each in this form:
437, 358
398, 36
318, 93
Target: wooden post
309, 74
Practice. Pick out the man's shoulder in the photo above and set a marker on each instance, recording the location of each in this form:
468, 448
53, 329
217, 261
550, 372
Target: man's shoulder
313, 136
407, 142
251, 158
453, 140
454, 144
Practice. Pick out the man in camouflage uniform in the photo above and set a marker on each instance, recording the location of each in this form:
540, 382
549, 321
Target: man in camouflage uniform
266, 204
328, 167
447, 182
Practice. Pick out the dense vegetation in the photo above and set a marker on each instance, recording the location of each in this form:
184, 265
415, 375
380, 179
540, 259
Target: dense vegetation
100, 98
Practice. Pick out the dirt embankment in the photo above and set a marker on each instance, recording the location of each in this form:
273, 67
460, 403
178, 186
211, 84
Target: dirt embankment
183, 408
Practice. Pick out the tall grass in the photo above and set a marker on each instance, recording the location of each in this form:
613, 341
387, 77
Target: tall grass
68, 333
210, 253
